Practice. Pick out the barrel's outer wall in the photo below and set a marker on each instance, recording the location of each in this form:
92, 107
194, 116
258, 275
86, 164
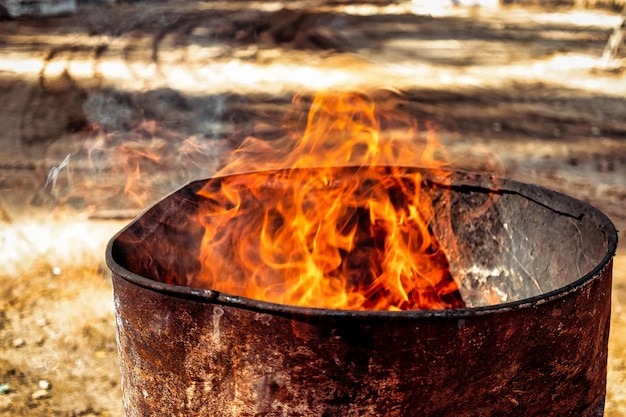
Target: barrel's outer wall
194, 356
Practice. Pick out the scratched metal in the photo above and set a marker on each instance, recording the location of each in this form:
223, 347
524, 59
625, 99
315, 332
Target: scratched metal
187, 351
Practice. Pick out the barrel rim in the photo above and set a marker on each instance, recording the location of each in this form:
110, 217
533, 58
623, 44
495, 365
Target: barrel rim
487, 182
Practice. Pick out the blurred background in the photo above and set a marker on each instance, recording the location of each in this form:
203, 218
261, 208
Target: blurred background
107, 106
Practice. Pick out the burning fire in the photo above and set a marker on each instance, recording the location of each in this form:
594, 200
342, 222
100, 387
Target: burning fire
327, 217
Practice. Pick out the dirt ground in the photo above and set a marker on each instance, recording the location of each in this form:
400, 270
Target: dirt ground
106, 111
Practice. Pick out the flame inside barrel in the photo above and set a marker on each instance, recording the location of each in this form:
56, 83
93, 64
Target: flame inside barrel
311, 234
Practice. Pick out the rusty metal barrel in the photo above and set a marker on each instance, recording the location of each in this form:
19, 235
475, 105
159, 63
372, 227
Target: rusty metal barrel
187, 351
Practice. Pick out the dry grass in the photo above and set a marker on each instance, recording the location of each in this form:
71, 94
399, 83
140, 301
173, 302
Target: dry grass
58, 324
616, 399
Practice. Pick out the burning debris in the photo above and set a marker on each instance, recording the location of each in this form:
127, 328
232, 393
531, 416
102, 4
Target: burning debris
329, 238
313, 235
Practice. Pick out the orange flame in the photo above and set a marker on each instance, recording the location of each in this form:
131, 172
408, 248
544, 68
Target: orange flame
342, 227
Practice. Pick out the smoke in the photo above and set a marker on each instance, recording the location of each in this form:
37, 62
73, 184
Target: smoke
165, 96
138, 148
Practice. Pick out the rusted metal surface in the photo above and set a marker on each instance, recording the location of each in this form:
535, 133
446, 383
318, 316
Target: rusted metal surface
186, 351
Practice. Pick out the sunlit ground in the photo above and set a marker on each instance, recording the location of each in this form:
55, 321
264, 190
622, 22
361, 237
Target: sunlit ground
404, 61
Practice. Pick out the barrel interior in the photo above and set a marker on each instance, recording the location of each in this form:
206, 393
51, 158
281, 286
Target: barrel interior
514, 240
